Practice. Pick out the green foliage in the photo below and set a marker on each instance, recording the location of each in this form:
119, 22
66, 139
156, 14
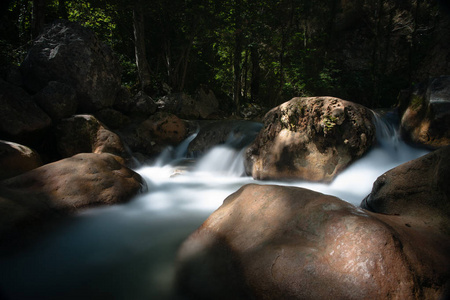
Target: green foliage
287, 47
328, 122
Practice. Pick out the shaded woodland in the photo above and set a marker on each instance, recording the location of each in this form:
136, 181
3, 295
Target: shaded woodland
261, 52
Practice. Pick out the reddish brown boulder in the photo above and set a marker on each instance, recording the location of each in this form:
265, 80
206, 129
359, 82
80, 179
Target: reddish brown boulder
165, 127
16, 159
66, 186
273, 242
310, 138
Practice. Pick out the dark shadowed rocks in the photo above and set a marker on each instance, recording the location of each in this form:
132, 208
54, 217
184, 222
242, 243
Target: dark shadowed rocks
58, 100
273, 242
72, 54
84, 133
21, 119
112, 118
201, 106
140, 106
426, 113
310, 138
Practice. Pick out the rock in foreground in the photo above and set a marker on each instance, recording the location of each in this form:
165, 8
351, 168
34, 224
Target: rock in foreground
272, 242
310, 138
66, 186
417, 189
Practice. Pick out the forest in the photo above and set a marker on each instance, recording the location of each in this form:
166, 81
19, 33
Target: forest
251, 52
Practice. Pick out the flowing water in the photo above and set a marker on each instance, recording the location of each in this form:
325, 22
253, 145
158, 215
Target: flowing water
128, 251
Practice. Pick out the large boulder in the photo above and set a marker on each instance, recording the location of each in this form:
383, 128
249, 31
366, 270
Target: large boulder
426, 113
273, 242
417, 189
63, 187
72, 54
58, 100
16, 159
84, 134
21, 119
310, 138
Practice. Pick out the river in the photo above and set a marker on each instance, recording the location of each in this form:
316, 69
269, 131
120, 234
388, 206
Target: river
128, 251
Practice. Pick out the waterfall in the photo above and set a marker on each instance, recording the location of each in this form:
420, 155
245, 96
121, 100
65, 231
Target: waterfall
128, 251
172, 155
225, 159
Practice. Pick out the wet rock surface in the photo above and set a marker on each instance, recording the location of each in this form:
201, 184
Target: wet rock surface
273, 242
417, 189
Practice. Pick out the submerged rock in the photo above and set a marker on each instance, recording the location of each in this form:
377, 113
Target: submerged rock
426, 113
66, 186
273, 242
310, 138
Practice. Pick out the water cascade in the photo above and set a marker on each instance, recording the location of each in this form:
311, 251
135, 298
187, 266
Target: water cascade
128, 251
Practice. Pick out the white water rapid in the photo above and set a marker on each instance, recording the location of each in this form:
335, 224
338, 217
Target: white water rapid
128, 251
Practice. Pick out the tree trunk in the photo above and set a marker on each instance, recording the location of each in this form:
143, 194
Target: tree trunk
237, 58
245, 76
38, 19
256, 71
139, 47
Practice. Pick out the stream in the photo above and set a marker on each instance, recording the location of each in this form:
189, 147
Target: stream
128, 251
